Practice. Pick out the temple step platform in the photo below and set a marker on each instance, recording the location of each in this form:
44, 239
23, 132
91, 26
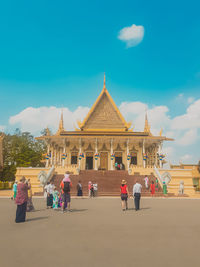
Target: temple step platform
108, 182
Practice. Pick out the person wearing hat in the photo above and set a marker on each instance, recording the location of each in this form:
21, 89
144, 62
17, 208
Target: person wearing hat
124, 195
21, 200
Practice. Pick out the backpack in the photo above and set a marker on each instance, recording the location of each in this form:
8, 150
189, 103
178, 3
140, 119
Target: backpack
66, 187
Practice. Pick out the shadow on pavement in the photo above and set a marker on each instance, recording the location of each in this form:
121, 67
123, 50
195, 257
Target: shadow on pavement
37, 218
147, 208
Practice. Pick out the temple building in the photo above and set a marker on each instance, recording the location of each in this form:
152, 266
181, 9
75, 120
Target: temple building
103, 139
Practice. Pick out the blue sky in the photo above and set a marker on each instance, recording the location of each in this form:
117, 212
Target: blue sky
54, 53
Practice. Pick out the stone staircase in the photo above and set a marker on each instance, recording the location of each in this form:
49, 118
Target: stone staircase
108, 182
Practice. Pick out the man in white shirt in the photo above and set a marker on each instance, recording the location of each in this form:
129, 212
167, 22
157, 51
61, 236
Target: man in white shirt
95, 186
137, 194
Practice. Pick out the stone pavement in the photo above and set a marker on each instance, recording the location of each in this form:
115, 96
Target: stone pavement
165, 232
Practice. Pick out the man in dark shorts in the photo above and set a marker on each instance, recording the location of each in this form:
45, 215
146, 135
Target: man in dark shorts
65, 185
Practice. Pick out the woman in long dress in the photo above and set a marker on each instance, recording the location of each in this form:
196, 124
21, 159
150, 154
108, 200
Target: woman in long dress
152, 188
21, 200
55, 199
30, 206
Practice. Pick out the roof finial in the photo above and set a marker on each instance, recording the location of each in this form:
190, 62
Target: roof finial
61, 123
104, 82
146, 125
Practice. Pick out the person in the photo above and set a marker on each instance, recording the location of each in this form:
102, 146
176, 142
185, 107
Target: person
66, 185
79, 189
91, 190
21, 200
146, 182
89, 187
152, 189
45, 189
95, 186
50, 188
164, 188
30, 206
115, 165
137, 194
14, 190
156, 186
55, 198
181, 188
124, 195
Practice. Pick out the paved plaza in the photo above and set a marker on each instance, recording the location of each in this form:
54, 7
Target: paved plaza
165, 232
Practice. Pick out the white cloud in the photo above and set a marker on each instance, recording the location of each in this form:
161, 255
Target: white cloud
190, 100
36, 119
185, 158
2, 128
132, 35
191, 119
185, 129
190, 137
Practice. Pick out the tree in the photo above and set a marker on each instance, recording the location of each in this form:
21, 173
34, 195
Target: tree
21, 150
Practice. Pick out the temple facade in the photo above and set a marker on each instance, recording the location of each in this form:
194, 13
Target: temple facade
103, 139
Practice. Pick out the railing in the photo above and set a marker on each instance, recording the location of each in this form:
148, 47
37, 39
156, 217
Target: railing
158, 175
44, 177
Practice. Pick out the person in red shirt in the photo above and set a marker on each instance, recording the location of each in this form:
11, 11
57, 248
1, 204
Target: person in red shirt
124, 195
152, 188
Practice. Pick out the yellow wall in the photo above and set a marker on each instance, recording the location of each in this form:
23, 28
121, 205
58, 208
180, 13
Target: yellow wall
32, 174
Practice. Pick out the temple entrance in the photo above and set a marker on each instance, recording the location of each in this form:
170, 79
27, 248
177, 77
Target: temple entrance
134, 158
118, 157
89, 163
104, 160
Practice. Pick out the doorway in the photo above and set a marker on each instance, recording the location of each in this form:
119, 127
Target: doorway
89, 163
104, 160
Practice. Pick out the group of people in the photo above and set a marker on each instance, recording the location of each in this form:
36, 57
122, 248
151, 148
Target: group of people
119, 166
56, 199
22, 194
153, 186
125, 195
92, 189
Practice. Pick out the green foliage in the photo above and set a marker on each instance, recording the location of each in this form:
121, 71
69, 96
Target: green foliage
20, 150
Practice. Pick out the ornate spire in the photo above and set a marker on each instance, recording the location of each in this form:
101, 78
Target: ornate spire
146, 125
104, 82
61, 124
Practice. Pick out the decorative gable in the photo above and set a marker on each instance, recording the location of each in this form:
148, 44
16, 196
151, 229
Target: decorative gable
104, 115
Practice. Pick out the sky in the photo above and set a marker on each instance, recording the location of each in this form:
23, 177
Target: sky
53, 55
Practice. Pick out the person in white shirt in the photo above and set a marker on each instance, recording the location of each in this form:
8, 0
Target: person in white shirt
137, 194
146, 181
95, 186
50, 188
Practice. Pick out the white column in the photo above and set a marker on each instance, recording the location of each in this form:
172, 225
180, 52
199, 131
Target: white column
52, 156
48, 150
160, 161
127, 152
96, 151
80, 151
55, 156
111, 152
143, 152
63, 160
